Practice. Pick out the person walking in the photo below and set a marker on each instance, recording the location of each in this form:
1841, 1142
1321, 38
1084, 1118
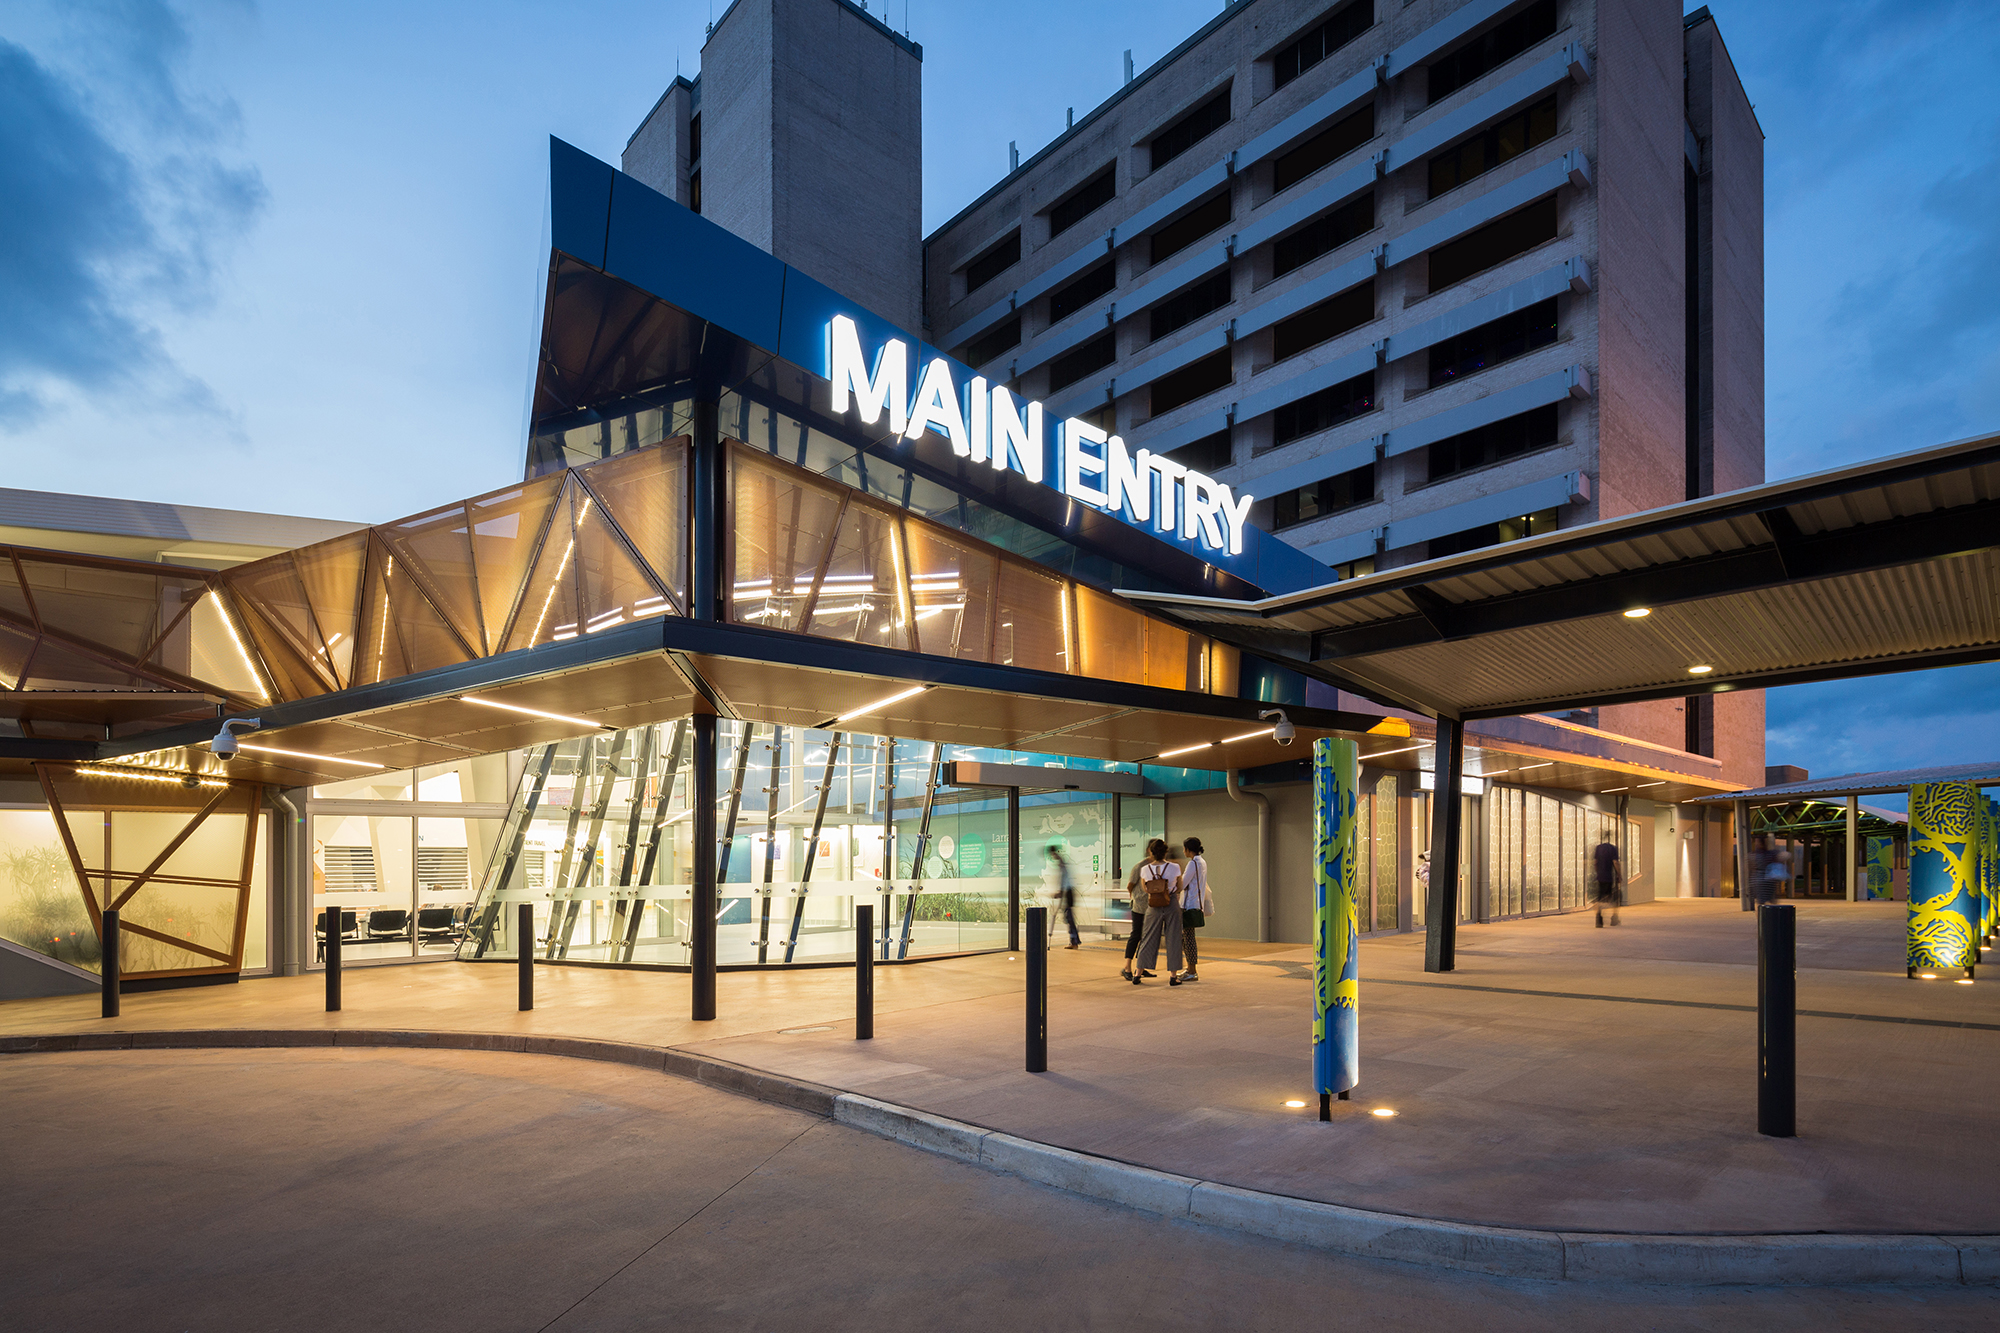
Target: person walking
1196, 903
1062, 891
1157, 878
1606, 857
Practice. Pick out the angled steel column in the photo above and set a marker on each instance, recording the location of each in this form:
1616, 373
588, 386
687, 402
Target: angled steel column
886, 748
669, 773
520, 816
1441, 905
586, 860
770, 845
922, 848
625, 909
701, 912
812, 846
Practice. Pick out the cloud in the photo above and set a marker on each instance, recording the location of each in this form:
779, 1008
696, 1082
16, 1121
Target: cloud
119, 202
1882, 723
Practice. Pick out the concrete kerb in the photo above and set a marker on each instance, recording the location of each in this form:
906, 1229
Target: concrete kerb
1750, 1260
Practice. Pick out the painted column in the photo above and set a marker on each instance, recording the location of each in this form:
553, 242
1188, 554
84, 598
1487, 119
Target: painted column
1989, 869
1943, 911
1336, 959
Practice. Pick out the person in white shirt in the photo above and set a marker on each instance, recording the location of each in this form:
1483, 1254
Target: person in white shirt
1158, 879
1195, 903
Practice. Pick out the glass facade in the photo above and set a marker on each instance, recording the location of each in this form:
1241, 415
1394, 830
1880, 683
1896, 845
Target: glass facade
810, 823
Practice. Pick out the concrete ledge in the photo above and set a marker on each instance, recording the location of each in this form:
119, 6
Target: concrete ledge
1810, 1260
1796, 1260
1496, 1250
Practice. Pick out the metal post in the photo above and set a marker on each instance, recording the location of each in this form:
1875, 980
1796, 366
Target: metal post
334, 918
864, 971
1744, 869
1856, 862
1014, 869
108, 980
1038, 993
524, 952
1777, 1020
1441, 907
701, 912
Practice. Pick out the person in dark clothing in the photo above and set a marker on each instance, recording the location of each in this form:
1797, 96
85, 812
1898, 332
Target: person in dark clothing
1606, 857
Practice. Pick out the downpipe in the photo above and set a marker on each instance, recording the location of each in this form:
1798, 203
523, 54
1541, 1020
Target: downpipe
292, 932
1263, 804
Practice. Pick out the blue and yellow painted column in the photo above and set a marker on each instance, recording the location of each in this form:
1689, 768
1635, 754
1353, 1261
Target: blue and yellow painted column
1336, 958
1989, 869
1944, 896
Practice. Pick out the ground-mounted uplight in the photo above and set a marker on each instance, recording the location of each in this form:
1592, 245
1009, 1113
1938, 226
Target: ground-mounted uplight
1639, 613
1700, 670
1965, 981
1295, 1104
1382, 1111
1926, 976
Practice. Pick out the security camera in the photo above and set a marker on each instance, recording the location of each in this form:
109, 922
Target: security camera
1283, 732
224, 744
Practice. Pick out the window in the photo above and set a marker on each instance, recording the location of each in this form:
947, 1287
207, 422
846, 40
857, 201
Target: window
694, 137
993, 263
1329, 407
1208, 454
1094, 194
1329, 319
1177, 312
1190, 227
1495, 243
1190, 129
1343, 27
1354, 569
1323, 235
1509, 437
1492, 48
694, 192
1328, 146
1492, 534
1082, 291
1096, 354
1488, 345
1004, 338
1192, 381
1483, 152
1329, 496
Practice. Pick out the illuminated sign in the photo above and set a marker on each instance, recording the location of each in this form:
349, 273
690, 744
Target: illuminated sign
987, 424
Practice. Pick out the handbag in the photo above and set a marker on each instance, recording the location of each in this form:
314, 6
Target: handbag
1192, 918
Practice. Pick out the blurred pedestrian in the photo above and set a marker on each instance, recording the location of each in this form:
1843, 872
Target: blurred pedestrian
1157, 877
1062, 891
1196, 903
1606, 857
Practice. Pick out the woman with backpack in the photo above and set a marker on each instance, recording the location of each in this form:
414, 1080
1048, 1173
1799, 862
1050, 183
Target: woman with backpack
1195, 904
1158, 878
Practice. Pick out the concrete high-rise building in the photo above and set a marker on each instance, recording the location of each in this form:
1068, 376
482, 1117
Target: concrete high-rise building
1422, 277
803, 134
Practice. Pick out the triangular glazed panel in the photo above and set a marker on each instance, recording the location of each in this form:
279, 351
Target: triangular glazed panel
15, 604
331, 571
271, 590
111, 608
56, 667
862, 596
781, 520
294, 675
15, 645
549, 609
402, 630
645, 493
437, 549
612, 587
506, 533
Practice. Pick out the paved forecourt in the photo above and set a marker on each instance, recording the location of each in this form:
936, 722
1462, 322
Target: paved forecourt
1564, 1079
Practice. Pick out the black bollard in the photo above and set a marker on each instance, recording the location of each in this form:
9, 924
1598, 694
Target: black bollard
524, 953
331, 923
1777, 1020
864, 971
109, 978
1038, 990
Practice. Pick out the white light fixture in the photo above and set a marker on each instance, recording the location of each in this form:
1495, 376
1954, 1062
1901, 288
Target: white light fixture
301, 754
880, 704
1639, 613
1525, 767
1382, 1111
1294, 1103
1467, 784
144, 775
1382, 753
1700, 670
1187, 749
535, 712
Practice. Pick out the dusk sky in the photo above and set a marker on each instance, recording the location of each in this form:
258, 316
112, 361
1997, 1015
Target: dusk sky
282, 256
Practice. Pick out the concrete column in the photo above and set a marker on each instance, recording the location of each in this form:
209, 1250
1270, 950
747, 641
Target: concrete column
1943, 909
1336, 959
1745, 890
1857, 859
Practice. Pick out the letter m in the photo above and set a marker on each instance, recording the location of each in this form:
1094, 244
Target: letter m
888, 386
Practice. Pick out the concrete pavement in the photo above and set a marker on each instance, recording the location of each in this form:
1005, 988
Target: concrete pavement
390, 1189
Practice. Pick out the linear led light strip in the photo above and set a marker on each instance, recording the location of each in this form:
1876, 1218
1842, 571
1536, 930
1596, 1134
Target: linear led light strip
121, 771
536, 712
878, 705
301, 754
1209, 745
